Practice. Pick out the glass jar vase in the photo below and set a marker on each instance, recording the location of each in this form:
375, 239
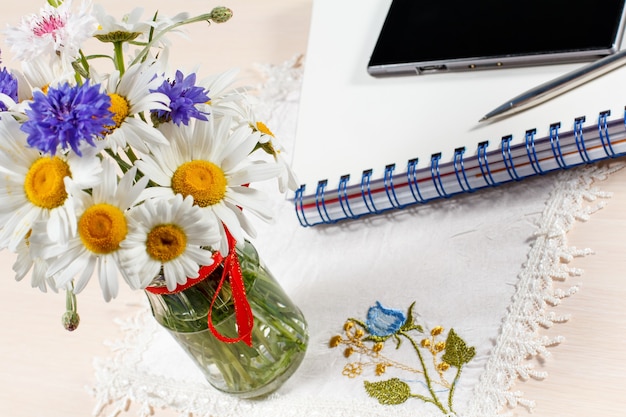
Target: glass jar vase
279, 334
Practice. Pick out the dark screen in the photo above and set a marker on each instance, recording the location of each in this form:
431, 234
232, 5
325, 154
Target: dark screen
421, 30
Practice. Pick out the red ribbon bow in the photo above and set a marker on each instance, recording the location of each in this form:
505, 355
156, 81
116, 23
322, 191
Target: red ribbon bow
232, 270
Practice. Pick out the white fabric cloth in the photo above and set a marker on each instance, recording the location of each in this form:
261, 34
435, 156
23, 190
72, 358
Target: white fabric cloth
481, 263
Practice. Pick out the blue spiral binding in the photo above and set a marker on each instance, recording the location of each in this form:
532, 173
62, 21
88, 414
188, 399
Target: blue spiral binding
366, 192
436, 175
507, 158
531, 151
458, 161
556, 145
412, 180
298, 198
483, 164
389, 187
320, 201
603, 131
342, 195
580, 139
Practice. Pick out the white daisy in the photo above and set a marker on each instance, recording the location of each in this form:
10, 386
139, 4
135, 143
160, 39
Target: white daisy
109, 27
37, 267
34, 187
270, 144
209, 161
102, 226
225, 100
41, 75
130, 95
130, 24
168, 235
55, 31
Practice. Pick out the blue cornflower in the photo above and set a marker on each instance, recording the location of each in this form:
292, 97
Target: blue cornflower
67, 116
384, 322
8, 86
184, 96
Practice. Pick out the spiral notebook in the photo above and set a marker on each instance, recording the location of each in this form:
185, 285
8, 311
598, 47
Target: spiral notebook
368, 145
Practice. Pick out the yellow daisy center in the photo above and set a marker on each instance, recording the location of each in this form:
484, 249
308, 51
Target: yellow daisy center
203, 180
261, 127
120, 108
44, 185
166, 242
102, 227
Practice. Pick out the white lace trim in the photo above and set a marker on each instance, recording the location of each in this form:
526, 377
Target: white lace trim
116, 385
547, 261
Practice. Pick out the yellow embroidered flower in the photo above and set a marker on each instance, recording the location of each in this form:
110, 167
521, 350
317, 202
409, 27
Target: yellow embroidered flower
352, 370
436, 331
381, 368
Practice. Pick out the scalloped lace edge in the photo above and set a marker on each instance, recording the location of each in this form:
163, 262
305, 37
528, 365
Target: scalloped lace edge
547, 261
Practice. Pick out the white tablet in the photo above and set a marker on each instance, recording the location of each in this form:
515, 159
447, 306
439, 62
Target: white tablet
430, 36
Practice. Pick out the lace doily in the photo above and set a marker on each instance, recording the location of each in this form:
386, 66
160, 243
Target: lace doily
482, 263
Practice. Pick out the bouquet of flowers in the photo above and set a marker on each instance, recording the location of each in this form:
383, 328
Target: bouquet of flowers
128, 173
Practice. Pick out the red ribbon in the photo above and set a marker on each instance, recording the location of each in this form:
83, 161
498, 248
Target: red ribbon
232, 270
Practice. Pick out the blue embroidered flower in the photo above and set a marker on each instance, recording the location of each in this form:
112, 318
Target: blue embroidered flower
66, 117
184, 96
8, 86
384, 322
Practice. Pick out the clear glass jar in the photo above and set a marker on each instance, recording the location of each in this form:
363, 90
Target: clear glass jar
279, 335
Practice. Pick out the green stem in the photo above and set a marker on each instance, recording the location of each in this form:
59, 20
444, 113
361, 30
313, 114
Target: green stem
119, 57
125, 166
144, 52
70, 301
452, 387
435, 399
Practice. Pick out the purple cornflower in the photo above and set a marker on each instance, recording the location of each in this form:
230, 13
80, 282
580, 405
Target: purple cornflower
67, 116
8, 86
184, 96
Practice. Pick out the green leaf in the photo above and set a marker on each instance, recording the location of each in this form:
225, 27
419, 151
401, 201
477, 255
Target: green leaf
457, 352
410, 324
372, 338
390, 392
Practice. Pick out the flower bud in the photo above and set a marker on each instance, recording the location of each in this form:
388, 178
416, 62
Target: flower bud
70, 320
334, 341
221, 14
349, 351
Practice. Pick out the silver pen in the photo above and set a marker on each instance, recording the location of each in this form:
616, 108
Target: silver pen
557, 86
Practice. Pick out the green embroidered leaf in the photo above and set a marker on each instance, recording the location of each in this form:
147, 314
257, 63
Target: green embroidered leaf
372, 338
457, 352
410, 324
390, 392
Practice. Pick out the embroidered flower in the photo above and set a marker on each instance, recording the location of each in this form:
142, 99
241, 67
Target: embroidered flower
384, 322
66, 117
184, 95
